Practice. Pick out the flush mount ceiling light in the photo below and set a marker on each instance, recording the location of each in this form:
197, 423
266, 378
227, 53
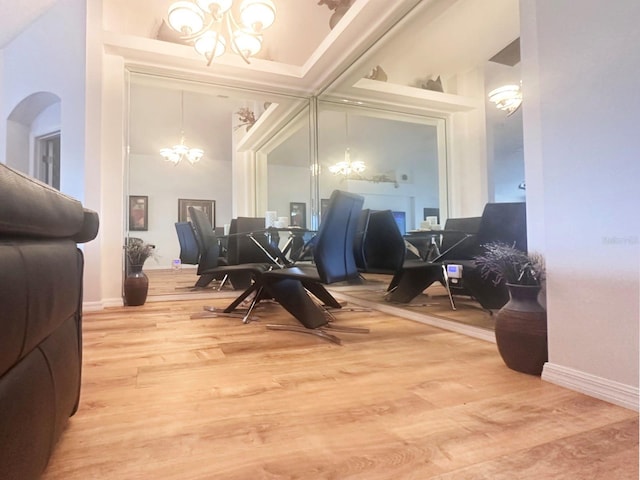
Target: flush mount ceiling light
211, 26
507, 98
179, 152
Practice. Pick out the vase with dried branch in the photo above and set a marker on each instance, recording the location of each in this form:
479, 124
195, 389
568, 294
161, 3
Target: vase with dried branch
521, 324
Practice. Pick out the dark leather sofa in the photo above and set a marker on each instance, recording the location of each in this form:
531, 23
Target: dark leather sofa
41, 272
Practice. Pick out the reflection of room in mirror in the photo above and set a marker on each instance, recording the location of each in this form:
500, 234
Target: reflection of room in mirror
298, 214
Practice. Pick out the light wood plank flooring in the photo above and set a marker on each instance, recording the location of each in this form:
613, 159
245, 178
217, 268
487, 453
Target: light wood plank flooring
165, 396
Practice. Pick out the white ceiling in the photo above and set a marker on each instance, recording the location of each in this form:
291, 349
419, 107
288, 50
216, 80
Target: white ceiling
301, 53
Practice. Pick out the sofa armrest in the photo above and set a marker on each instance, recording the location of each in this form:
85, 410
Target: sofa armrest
89, 228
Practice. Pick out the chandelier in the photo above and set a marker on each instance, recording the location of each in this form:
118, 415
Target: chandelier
211, 26
507, 98
346, 167
180, 152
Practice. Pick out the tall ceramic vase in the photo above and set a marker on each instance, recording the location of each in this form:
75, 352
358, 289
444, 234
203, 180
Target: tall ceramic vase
521, 330
136, 286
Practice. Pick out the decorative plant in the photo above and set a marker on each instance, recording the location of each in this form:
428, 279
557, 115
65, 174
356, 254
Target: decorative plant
138, 251
247, 118
511, 265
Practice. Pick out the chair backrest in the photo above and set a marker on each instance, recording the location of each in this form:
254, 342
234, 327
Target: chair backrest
210, 249
333, 248
455, 230
500, 222
359, 238
240, 248
384, 246
505, 223
189, 245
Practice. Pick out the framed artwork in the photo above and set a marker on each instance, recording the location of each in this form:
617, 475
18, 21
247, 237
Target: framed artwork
138, 213
207, 206
298, 214
324, 204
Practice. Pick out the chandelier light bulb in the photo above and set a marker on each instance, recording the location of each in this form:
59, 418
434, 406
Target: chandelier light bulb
246, 44
257, 14
185, 17
210, 44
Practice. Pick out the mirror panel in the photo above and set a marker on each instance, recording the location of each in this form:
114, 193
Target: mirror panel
283, 174
161, 110
403, 156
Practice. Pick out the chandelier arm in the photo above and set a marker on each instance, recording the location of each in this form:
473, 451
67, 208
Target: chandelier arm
230, 23
218, 32
193, 36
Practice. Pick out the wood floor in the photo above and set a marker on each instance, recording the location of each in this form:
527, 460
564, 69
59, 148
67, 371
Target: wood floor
165, 396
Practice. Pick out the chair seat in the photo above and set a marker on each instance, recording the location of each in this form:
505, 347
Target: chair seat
243, 267
299, 272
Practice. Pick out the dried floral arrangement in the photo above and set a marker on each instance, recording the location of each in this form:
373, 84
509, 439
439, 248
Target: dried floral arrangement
511, 265
247, 118
138, 251
334, 4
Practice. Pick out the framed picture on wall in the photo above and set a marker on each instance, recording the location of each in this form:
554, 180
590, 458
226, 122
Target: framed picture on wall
138, 213
298, 214
207, 206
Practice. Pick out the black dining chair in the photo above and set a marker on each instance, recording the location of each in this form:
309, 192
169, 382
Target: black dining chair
190, 255
209, 255
333, 261
500, 222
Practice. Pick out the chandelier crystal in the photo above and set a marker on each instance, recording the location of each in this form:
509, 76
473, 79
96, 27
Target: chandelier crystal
180, 152
211, 26
507, 98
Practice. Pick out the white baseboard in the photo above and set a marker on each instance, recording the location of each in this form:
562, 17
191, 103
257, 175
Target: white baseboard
598, 387
102, 304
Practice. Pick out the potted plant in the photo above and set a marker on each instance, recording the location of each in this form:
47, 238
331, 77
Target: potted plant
136, 282
521, 324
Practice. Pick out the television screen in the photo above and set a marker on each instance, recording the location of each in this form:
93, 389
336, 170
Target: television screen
401, 221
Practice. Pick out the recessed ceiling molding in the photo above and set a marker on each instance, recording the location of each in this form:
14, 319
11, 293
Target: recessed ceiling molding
365, 22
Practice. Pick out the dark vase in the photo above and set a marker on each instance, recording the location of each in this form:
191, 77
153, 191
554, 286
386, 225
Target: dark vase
521, 330
136, 286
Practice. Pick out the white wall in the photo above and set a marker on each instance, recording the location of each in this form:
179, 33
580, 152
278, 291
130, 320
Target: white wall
581, 117
55, 54
49, 56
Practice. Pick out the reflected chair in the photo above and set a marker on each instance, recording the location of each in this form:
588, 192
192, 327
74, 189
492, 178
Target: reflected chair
383, 245
358, 240
500, 222
190, 253
418, 274
333, 262
209, 255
